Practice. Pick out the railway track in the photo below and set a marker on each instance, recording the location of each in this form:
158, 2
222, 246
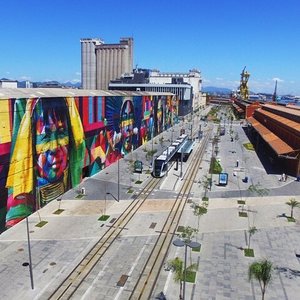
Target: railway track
148, 277
145, 286
71, 283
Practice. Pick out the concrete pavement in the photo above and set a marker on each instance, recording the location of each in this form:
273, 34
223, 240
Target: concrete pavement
63, 241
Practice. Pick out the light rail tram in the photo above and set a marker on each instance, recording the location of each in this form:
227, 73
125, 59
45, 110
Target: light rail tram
160, 164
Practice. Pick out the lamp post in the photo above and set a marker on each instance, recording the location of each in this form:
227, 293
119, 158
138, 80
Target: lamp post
29, 254
181, 161
185, 244
118, 179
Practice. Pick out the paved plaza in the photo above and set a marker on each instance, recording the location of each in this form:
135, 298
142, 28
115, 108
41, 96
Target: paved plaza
222, 274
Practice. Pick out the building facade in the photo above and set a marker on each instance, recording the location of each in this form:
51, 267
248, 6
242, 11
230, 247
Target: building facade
183, 92
275, 132
102, 62
7, 83
51, 138
186, 86
193, 78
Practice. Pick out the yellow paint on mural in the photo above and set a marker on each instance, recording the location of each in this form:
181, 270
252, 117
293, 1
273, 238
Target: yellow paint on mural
5, 131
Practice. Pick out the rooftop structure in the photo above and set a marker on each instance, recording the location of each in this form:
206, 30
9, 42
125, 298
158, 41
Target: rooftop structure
276, 131
7, 83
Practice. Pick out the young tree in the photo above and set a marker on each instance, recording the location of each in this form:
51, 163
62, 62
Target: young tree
187, 234
293, 203
177, 266
199, 210
206, 181
262, 272
251, 232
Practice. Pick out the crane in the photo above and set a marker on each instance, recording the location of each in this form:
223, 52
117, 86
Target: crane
244, 91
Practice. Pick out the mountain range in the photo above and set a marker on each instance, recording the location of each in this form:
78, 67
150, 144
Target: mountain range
216, 90
68, 84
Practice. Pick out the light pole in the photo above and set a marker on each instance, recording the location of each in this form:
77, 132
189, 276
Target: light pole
152, 137
118, 179
29, 254
181, 160
185, 244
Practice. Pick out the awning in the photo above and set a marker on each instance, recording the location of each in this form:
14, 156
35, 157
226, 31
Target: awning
276, 143
239, 109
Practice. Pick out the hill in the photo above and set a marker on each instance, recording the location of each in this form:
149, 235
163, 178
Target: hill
216, 90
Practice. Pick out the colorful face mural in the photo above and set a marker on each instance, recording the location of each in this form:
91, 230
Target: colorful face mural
48, 144
158, 113
52, 142
39, 170
146, 130
127, 127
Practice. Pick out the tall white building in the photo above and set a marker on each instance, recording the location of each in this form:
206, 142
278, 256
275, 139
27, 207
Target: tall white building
193, 77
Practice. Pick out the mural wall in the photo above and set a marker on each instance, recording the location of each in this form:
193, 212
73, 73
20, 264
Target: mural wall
47, 145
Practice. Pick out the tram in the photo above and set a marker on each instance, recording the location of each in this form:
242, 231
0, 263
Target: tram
160, 164
185, 150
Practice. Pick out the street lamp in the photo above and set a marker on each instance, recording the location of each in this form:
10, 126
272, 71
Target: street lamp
118, 179
29, 254
185, 244
118, 171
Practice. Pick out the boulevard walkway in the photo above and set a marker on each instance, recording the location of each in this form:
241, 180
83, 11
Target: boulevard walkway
63, 241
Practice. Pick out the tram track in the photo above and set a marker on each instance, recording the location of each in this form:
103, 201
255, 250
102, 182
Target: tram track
147, 279
71, 283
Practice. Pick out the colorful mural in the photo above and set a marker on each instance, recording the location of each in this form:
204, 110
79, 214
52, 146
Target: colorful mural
47, 145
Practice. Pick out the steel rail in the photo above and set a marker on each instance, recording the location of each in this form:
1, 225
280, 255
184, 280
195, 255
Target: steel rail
147, 279
71, 283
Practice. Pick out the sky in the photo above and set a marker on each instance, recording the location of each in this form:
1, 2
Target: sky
40, 40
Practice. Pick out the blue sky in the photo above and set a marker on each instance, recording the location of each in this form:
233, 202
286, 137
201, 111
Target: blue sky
40, 40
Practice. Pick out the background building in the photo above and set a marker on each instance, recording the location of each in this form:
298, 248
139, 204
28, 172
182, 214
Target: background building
7, 83
102, 62
186, 86
275, 132
193, 78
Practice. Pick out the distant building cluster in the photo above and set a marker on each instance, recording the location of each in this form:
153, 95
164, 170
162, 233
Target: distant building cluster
187, 86
110, 66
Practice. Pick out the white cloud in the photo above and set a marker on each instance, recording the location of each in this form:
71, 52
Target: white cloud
204, 80
24, 77
277, 79
75, 80
78, 73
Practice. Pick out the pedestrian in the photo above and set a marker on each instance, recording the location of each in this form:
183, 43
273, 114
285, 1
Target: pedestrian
237, 163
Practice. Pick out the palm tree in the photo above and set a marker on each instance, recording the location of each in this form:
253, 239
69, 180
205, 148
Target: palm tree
251, 232
261, 271
293, 203
177, 266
